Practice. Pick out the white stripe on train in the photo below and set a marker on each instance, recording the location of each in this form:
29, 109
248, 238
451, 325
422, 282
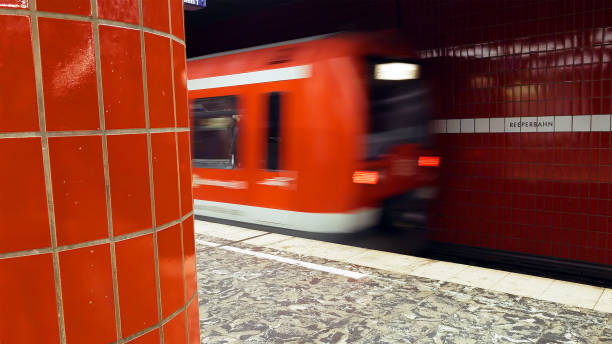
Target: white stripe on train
302, 221
269, 75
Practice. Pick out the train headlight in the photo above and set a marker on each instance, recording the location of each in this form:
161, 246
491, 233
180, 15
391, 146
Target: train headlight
397, 71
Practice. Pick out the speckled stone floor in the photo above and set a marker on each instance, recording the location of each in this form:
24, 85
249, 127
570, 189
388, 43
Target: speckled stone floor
247, 299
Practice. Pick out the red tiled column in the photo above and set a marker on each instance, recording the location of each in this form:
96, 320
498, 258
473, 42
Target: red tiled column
96, 221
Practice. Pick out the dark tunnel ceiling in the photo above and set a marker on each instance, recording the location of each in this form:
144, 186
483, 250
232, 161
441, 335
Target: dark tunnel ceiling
234, 24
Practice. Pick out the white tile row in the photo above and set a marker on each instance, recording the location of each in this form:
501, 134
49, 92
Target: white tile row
582, 123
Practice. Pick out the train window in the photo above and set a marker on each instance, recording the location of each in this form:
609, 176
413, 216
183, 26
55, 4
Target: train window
215, 131
273, 137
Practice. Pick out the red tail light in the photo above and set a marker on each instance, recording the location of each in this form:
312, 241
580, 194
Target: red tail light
429, 161
365, 177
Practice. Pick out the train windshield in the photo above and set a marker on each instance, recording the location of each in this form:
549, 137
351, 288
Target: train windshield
398, 105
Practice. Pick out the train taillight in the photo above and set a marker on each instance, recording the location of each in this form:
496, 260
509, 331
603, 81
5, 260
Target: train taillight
429, 161
366, 177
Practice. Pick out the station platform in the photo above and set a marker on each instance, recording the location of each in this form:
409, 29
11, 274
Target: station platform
261, 287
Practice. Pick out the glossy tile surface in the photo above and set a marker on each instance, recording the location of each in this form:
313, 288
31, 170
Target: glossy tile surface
185, 172
120, 10
31, 287
193, 322
135, 278
151, 337
180, 82
69, 74
189, 257
159, 81
23, 198
78, 7
16, 4
155, 13
178, 27
87, 292
79, 193
529, 190
128, 169
174, 330
17, 83
169, 253
165, 177
122, 77
76, 192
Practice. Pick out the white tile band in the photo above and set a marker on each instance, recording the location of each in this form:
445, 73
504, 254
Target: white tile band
582, 123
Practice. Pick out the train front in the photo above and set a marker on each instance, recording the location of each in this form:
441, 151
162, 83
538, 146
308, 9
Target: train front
400, 164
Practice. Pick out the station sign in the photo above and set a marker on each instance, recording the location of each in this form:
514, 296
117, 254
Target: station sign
194, 5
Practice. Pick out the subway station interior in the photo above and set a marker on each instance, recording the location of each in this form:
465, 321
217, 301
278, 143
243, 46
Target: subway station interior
305, 171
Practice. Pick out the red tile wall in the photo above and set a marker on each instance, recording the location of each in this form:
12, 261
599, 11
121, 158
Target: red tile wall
540, 193
96, 229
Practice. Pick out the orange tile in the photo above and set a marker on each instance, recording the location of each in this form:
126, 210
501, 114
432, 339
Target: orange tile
135, 279
121, 70
147, 338
23, 200
27, 301
120, 10
155, 14
69, 74
174, 330
185, 172
165, 177
180, 85
17, 81
14, 4
78, 7
169, 253
79, 193
87, 294
189, 257
178, 27
193, 322
159, 81
128, 168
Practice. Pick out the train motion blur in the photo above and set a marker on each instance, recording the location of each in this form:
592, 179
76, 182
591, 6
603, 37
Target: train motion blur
325, 134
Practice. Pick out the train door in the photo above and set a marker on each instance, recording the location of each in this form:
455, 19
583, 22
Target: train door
275, 175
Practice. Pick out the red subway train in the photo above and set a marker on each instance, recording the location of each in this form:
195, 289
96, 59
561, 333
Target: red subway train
325, 134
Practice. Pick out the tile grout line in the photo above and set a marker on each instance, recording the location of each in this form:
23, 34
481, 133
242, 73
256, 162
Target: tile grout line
102, 119
178, 169
110, 132
150, 161
603, 290
160, 324
47, 167
539, 297
92, 242
66, 16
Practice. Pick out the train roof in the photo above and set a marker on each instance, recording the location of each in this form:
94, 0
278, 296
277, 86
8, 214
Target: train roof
263, 46
289, 53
